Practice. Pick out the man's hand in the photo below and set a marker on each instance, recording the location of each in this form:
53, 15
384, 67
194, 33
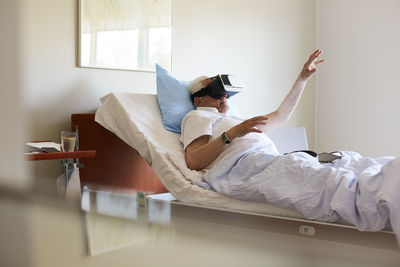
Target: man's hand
200, 153
310, 67
247, 126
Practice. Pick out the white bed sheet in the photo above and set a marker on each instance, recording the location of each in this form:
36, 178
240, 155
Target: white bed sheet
136, 119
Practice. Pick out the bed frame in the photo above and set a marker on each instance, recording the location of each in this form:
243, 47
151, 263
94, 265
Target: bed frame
116, 164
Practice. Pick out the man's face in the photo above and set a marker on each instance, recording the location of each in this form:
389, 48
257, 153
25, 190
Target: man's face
207, 101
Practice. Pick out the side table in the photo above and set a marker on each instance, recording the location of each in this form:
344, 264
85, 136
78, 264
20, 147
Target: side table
67, 159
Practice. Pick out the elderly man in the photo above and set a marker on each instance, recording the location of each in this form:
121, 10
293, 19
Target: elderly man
207, 133
239, 160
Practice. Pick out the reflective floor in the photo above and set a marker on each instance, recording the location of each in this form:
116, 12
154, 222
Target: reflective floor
122, 229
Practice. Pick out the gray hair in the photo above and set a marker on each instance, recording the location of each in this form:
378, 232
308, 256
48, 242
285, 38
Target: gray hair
197, 85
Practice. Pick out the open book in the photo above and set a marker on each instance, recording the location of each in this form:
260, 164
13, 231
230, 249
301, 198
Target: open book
42, 147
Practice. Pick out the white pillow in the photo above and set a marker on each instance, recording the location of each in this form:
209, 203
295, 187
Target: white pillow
136, 119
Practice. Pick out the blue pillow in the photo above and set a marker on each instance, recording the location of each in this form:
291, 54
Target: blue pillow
173, 98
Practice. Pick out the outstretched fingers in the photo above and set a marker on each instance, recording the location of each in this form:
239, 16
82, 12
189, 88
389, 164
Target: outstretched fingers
259, 120
314, 56
249, 126
311, 65
319, 61
256, 121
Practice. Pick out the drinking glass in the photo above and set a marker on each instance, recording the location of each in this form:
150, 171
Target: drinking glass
68, 140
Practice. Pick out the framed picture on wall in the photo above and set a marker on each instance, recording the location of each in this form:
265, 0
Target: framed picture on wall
125, 34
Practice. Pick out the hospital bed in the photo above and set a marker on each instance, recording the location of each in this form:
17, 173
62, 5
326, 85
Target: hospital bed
134, 152
135, 119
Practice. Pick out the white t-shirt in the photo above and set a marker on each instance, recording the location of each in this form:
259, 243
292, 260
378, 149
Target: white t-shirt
208, 121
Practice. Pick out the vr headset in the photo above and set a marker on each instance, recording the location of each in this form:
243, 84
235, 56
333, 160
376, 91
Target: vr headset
221, 85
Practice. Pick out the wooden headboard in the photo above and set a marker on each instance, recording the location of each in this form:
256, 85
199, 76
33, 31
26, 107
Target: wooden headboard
116, 164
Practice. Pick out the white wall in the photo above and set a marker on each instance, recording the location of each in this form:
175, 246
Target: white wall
53, 87
265, 42
358, 90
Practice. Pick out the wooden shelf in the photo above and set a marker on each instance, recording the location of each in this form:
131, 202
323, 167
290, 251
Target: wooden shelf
61, 155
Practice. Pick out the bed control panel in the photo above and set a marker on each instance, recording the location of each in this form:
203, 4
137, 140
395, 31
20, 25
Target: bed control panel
307, 230
141, 199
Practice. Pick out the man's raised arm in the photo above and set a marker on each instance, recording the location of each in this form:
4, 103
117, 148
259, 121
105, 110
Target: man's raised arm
288, 105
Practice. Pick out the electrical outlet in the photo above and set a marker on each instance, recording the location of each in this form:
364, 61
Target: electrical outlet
307, 230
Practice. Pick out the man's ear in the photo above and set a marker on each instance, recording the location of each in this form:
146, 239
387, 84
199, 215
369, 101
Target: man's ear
197, 101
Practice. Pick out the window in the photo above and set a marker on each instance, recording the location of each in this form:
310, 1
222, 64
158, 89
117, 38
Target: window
125, 34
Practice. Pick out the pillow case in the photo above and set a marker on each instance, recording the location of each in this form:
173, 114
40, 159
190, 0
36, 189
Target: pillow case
173, 98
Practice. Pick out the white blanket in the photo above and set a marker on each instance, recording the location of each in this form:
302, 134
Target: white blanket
350, 188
